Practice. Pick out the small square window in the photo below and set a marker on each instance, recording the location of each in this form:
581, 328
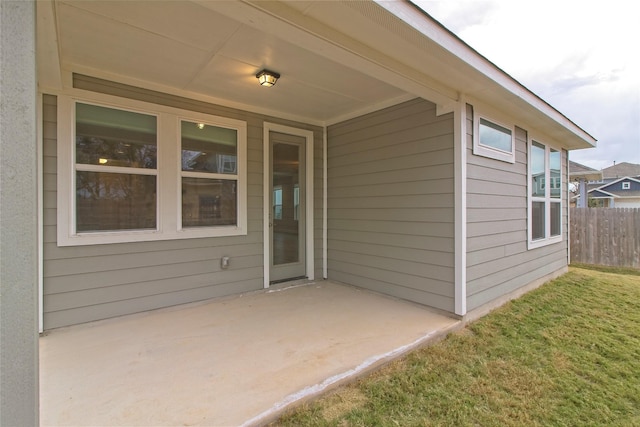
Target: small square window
493, 140
626, 185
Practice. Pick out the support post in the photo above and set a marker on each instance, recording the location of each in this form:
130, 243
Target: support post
18, 216
582, 187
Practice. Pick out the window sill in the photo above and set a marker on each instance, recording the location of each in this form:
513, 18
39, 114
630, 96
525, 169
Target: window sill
534, 244
503, 156
104, 238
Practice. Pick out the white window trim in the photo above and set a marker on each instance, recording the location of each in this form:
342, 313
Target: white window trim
626, 185
169, 173
480, 149
547, 199
241, 172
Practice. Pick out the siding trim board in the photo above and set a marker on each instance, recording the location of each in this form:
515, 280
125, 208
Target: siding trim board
40, 201
460, 143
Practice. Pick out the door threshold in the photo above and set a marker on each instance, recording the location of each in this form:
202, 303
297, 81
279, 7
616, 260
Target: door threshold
289, 284
289, 281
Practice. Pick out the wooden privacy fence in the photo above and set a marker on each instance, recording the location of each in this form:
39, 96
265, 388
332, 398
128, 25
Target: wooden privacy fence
605, 236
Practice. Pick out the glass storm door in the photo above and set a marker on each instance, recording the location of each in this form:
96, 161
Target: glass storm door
287, 215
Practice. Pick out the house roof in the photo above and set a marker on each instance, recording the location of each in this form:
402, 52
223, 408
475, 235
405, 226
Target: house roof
626, 194
337, 59
611, 190
597, 193
621, 170
577, 171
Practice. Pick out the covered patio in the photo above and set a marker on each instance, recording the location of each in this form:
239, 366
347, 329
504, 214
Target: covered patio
238, 360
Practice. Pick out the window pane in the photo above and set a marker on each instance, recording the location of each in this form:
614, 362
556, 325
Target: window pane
537, 170
207, 148
555, 218
208, 202
554, 170
277, 203
115, 201
537, 221
495, 136
106, 136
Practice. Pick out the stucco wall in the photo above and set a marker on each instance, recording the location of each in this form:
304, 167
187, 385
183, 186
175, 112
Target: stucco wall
18, 216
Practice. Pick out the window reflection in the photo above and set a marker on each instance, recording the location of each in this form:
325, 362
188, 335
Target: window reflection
115, 201
207, 148
208, 202
495, 136
554, 173
106, 136
538, 180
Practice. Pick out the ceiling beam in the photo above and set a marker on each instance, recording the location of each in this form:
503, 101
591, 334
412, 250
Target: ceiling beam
48, 55
281, 20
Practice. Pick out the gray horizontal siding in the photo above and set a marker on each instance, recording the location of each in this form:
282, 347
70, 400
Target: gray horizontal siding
498, 261
86, 283
391, 204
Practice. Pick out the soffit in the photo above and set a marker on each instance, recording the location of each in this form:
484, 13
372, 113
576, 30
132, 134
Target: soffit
337, 59
195, 49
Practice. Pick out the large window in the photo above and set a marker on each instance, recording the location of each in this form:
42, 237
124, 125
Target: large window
545, 201
209, 175
116, 155
493, 140
131, 171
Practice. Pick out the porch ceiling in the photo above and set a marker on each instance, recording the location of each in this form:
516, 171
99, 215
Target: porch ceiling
191, 47
337, 59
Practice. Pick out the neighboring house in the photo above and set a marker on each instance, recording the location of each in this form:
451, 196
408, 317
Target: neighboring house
616, 187
617, 193
621, 170
389, 155
581, 175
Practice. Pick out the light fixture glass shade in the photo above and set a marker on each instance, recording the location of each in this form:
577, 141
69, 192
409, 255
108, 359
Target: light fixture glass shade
267, 78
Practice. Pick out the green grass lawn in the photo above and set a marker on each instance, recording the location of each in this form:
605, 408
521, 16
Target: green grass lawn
566, 354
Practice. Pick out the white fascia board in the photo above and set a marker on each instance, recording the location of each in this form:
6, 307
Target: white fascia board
432, 29
601, 191
47, 47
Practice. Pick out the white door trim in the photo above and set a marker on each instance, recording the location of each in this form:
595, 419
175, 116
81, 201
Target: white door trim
308, 136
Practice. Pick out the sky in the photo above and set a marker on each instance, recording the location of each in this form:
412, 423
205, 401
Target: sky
582, 57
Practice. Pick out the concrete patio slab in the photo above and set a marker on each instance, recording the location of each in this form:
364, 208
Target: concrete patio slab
233, 361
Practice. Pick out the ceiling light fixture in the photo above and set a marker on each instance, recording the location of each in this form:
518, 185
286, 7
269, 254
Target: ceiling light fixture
200, 126
267, 78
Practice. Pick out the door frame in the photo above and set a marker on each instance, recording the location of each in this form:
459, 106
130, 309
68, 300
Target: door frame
266, 196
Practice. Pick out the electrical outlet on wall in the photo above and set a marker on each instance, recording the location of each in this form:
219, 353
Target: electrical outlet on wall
224, 262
